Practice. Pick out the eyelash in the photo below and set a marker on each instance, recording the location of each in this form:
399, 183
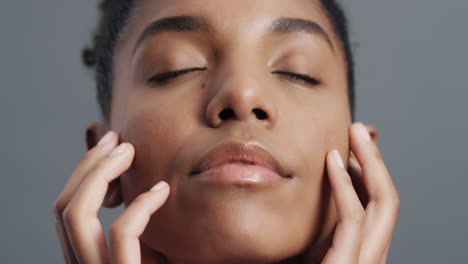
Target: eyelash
164, 77
304, 78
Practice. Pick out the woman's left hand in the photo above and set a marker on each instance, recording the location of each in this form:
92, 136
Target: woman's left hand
367, 205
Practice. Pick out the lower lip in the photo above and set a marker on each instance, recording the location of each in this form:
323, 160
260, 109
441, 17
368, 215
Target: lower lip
231, 173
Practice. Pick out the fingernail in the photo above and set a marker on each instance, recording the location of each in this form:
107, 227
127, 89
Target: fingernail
119, 150
337, 157
161, 185
106, 138
364, 132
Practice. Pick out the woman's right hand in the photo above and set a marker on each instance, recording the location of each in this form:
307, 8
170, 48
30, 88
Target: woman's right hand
76, 209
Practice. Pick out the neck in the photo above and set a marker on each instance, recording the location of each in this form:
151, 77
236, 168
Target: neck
293, 260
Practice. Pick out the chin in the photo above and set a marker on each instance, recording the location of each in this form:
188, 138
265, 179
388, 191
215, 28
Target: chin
240, 227
238, 240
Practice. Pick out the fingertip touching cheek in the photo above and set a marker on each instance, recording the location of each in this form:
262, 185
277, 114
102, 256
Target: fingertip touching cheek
235, 104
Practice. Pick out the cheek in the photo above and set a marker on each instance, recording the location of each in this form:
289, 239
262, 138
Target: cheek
321, 135
322, 127
316, 135
337, 135
156, 138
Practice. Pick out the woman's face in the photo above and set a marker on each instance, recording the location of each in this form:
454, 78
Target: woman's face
238, 91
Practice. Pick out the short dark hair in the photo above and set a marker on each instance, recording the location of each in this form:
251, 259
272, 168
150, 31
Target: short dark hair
114, 16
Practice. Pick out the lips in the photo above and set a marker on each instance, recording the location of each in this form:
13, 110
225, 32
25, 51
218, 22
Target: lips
234, 154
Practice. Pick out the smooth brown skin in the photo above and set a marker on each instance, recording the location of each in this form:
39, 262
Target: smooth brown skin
167, 128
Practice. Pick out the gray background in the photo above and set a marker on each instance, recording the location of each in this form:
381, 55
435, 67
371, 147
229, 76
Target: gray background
412, 72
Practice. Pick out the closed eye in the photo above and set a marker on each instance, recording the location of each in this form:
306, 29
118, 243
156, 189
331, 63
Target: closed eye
162, 78
167, 76
302, 78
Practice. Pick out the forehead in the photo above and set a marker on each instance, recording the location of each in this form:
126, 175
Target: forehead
241, 18
224, 13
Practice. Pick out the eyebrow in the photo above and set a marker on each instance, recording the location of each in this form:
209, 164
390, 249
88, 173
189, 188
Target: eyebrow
294, 25
173, 24
186, 23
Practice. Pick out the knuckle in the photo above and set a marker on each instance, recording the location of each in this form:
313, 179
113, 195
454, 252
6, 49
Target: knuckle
117, 230
87, 156
395, 202
106, 164
391, 202
69, 215
347, 180
114, 230
91, 154
356, 216
102, 170
59, 206
140, 198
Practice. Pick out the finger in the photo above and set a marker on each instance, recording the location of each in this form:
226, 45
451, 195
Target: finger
385, 255
317, 252
355, 172
383, 206
91, 158
103, 148
124, 233
65, 244
80, 216
347, 241
375, 175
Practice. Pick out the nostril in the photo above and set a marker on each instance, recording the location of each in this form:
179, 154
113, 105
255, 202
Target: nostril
260, 114
227, 114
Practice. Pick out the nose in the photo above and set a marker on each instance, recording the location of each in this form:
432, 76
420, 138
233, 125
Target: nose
241, 97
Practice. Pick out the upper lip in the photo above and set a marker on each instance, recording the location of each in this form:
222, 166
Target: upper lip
232, 151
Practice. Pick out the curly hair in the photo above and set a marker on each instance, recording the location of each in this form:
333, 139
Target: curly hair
113, 18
